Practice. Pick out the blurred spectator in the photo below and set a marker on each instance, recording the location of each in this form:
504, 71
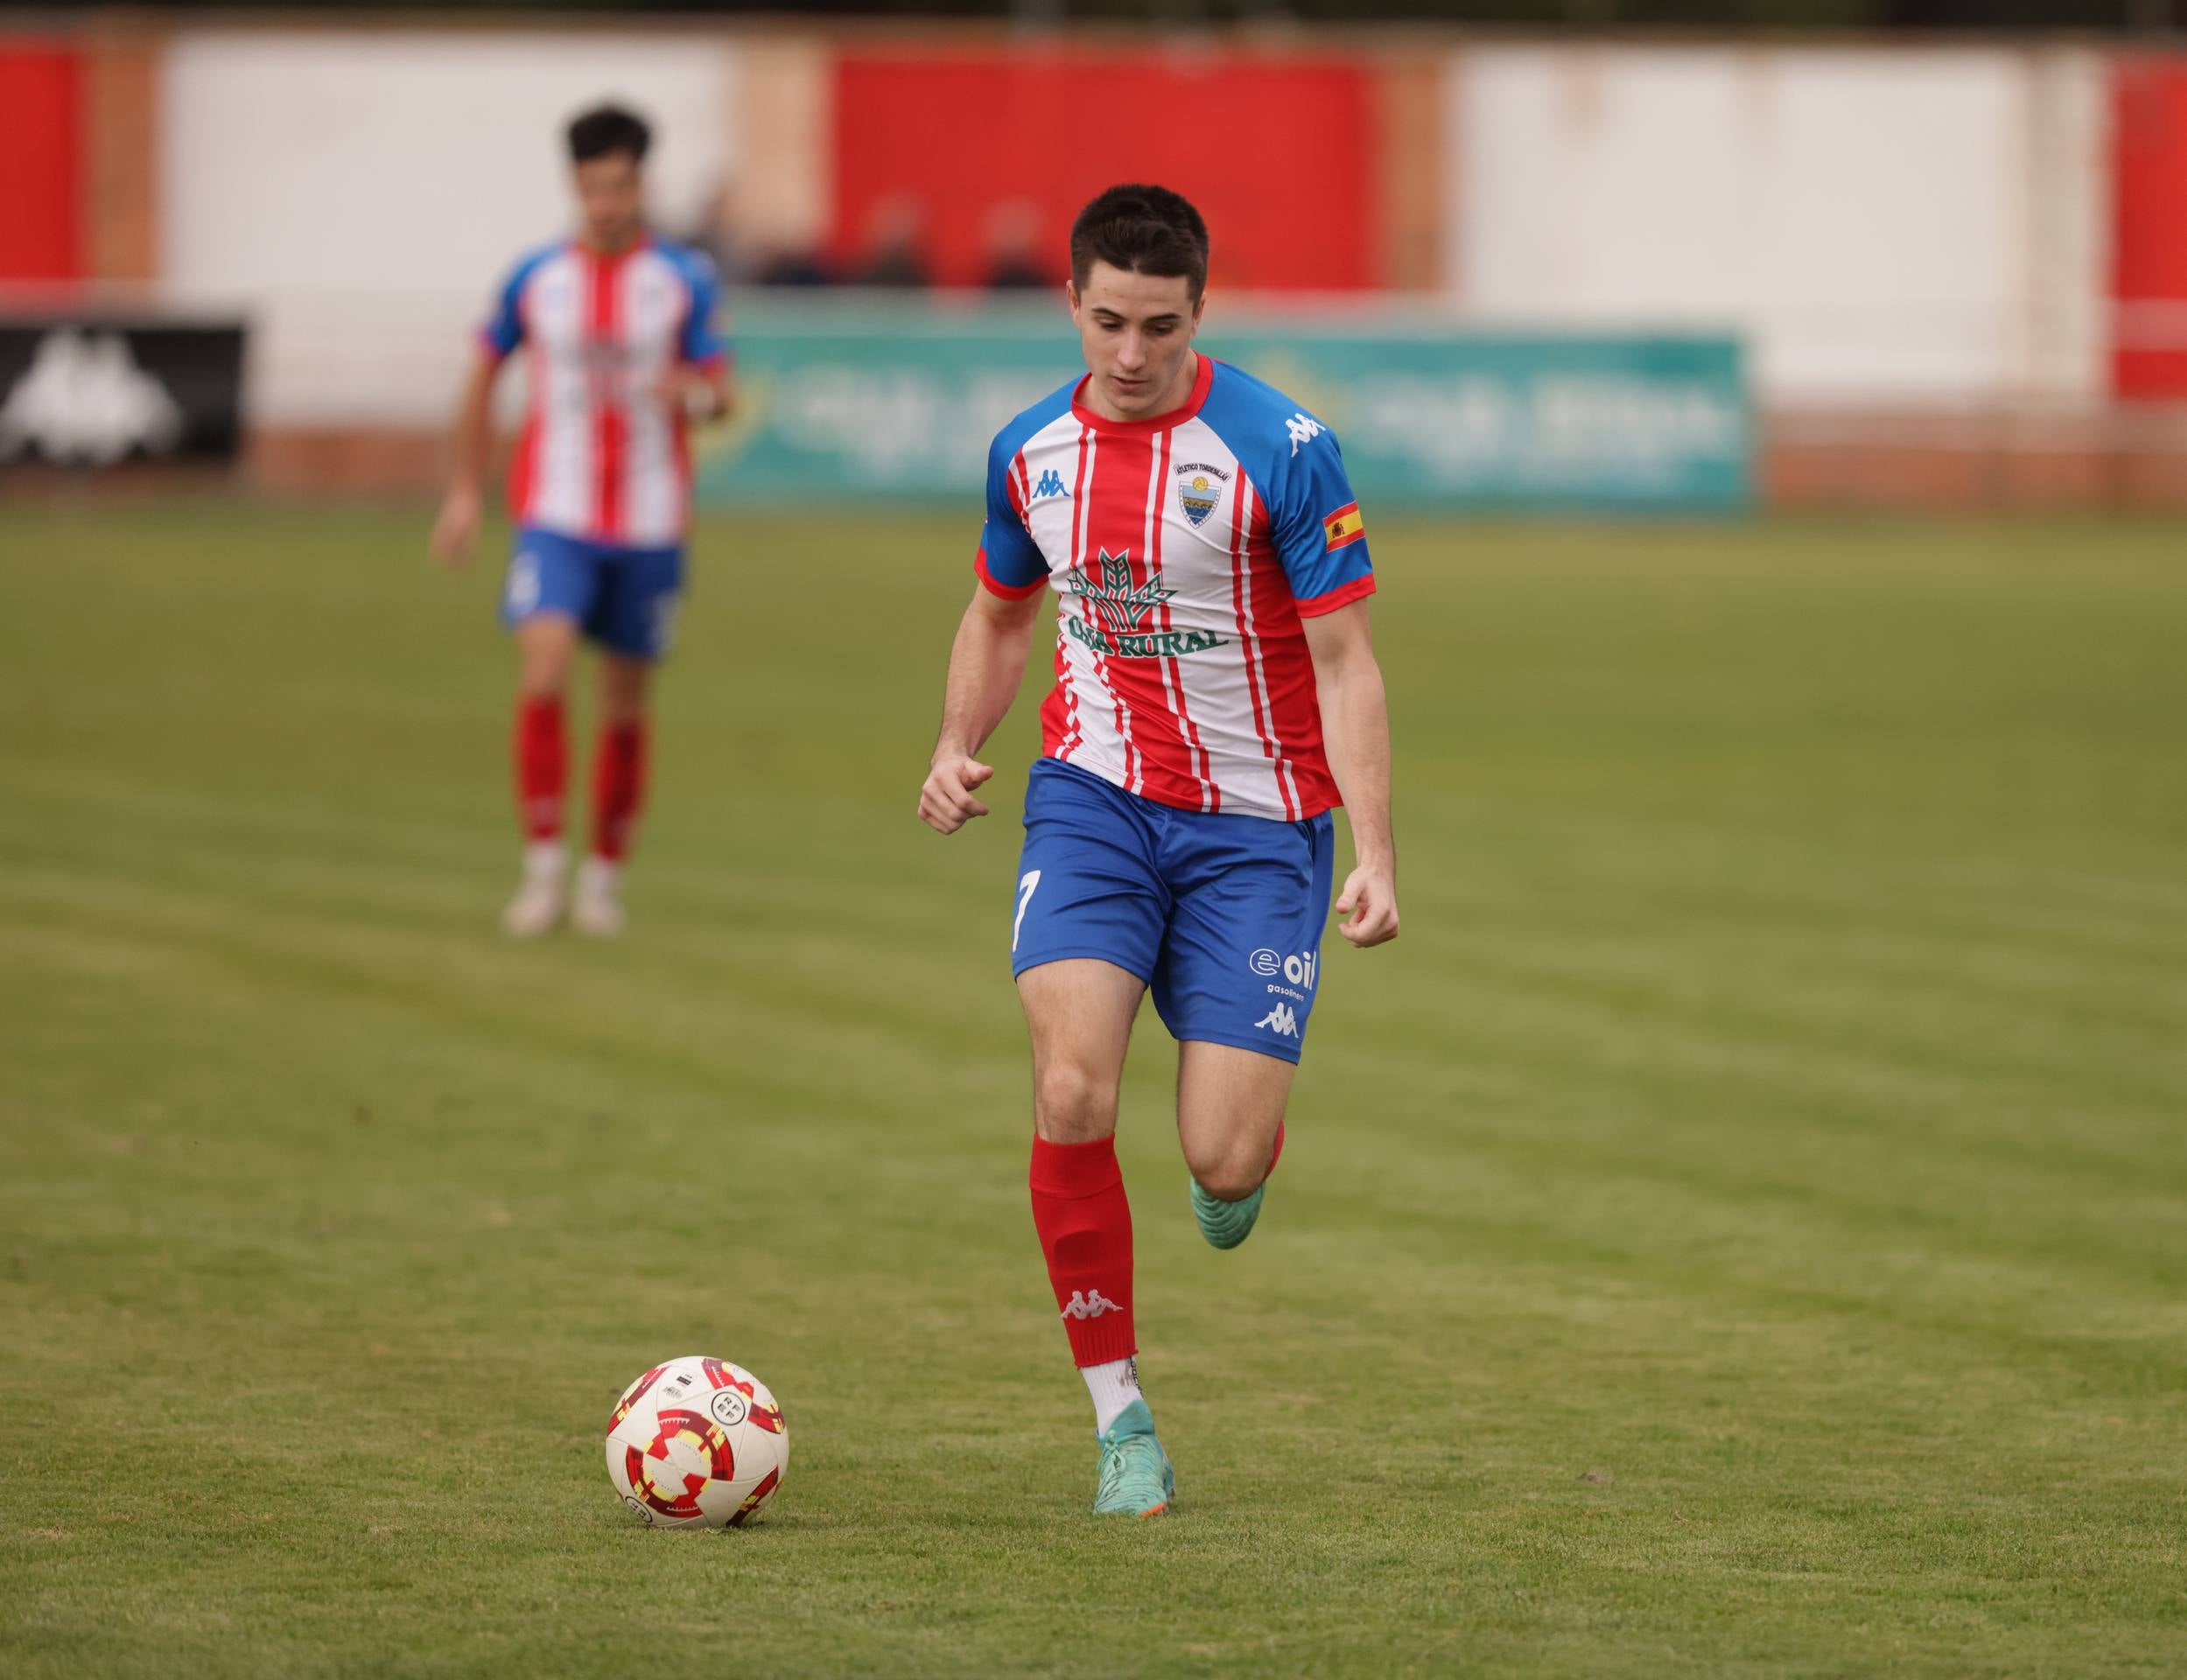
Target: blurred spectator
1013, 257
787, 266
895, 245
714, 233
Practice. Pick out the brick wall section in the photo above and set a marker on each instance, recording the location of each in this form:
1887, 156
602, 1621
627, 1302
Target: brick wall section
121, 174
292, 461
1408, 117
1938, 463
1959, 463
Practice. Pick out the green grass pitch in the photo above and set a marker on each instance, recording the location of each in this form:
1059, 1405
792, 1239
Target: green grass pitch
1741, 1228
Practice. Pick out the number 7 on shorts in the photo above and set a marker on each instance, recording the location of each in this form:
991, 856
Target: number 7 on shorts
1026, 885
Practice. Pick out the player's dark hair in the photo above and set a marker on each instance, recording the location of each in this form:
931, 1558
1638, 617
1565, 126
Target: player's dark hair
607, 129
1142, 230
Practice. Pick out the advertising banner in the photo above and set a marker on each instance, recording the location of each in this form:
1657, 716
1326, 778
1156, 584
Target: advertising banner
844, 401
99, 392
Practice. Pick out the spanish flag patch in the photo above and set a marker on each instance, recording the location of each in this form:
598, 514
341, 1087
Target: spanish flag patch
1344, 525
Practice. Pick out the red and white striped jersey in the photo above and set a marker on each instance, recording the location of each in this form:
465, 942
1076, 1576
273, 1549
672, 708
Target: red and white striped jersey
1184, 551
601, 457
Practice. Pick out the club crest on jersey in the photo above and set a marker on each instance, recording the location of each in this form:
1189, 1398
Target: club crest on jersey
1121, 609
1199, 487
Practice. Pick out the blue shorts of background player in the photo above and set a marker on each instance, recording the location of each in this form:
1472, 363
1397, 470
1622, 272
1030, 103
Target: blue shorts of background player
624, 599
1220, 914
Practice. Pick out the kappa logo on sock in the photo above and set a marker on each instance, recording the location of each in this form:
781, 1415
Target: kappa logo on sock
1281, 1021
1089, 1303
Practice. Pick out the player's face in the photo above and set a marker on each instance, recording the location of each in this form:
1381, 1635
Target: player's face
611, 198
1137, 330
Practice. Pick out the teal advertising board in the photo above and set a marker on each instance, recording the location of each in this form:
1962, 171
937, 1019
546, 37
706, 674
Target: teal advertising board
845, 401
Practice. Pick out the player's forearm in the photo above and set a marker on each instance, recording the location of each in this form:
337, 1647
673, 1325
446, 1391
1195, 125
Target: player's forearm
471, 445
1355, 735
986, 668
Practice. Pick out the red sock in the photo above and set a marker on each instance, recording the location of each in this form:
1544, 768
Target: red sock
1277, 1156
619, 787
1085, 1225
543, 765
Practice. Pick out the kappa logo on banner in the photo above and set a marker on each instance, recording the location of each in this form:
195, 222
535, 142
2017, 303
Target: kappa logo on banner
85, 399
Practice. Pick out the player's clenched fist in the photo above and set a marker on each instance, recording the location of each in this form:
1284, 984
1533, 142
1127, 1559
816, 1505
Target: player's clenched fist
1370, 900
946, 803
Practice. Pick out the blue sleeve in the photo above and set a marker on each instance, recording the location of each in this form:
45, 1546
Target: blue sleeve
1316, 526
701, 340
504, 328
1010, 563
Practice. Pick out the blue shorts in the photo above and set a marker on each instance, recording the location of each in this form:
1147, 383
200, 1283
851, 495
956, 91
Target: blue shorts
625, 599
1221, 915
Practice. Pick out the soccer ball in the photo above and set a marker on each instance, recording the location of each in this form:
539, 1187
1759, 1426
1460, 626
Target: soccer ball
697, 1443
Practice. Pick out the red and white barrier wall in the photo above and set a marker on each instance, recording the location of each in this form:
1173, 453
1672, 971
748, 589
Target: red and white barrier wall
1922, 231
41, 134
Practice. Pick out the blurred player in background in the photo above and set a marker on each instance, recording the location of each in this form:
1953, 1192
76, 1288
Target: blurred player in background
623, 353
1216, 695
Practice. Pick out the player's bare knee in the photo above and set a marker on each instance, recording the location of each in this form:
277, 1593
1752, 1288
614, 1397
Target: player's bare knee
1231, 1176
1228, 1161
542, 672
623, 690
1072, 1105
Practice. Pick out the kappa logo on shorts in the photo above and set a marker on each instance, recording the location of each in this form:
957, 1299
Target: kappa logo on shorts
1089, 1303
1281, 1021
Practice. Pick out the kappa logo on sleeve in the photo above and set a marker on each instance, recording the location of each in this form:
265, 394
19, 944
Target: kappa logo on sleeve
1303, 428
1051, 484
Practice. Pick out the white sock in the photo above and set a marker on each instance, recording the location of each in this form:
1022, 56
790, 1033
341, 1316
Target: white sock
1114, 1386
544, 860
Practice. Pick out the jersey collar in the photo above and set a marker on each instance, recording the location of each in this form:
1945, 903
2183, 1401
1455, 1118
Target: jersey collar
644, 243
1176, 417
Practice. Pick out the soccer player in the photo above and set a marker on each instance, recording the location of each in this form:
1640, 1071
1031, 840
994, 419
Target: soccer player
1216, 695
621, 344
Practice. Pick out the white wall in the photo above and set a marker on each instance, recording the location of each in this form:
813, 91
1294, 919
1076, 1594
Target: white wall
360, 192
1887, 226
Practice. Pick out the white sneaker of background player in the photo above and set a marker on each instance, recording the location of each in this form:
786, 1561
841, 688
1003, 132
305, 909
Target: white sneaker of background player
543, 896
598, 909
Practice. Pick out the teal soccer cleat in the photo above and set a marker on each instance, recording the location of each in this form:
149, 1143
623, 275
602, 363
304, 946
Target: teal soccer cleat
1136, 1480
1225, 1224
